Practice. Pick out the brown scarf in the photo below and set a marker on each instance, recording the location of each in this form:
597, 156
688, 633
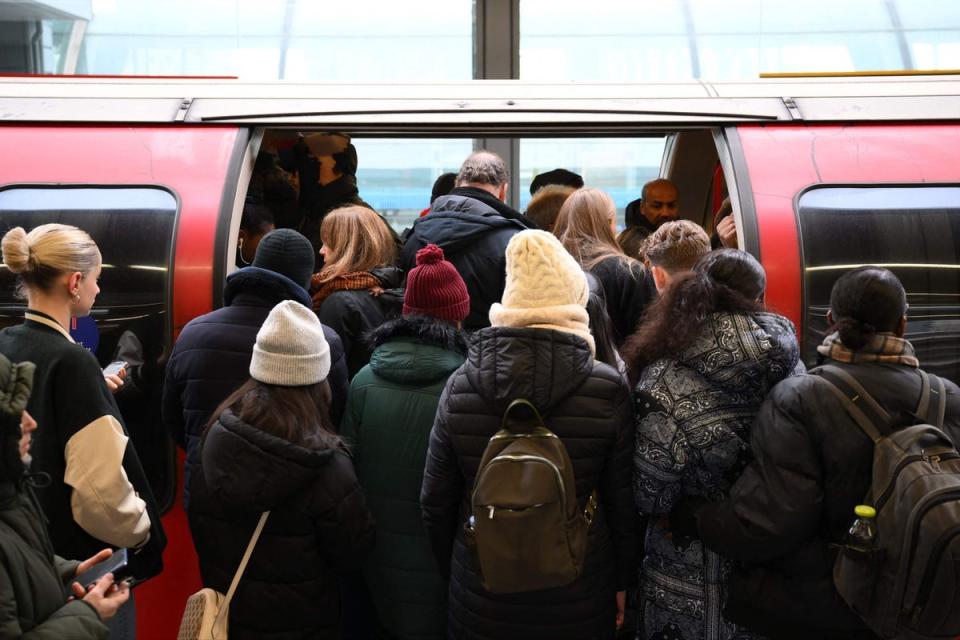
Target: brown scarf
883, 347
357, 280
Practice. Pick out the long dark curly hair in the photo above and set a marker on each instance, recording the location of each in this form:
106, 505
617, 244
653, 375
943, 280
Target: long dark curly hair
727, 280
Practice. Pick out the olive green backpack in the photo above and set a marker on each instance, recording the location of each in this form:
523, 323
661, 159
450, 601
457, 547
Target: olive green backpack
527, 531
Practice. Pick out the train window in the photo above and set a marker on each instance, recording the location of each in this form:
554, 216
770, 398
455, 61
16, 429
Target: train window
912, 230
134, 229
619, 166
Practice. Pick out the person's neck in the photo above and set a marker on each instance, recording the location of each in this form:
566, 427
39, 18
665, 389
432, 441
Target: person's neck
54, 308
494, 191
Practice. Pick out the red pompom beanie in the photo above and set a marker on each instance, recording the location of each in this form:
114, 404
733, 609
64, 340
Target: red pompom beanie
435, 288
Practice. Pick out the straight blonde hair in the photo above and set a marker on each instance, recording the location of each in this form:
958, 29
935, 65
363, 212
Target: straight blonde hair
359, 240
47, 252
583, 227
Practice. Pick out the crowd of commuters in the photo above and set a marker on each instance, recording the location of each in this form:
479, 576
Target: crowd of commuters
348, 392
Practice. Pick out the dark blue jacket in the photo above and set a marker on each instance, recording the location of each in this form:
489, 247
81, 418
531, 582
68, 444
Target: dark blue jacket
211, 358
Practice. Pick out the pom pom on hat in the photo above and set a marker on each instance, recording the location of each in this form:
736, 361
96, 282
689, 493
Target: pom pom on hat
435, 288
291, 349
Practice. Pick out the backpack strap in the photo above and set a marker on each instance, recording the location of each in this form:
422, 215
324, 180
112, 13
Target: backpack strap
225, 605
506, 423
931, 415
835, 379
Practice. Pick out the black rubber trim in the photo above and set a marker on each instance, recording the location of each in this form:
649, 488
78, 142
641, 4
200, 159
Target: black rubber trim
741, 177
228, 197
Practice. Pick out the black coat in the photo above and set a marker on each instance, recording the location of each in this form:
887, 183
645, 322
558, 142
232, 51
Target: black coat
473, 228
628, 288
587, 404
211, 358
355, 312
812, 466
318, 526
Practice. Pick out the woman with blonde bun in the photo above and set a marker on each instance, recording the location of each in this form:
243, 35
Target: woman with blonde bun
94, 492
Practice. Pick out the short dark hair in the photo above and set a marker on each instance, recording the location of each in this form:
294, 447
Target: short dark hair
865, 301
257, 218
483, 167
443, 185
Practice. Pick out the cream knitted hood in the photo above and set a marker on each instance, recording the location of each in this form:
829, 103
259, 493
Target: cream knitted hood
545, 287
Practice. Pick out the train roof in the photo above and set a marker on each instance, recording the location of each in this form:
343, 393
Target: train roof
494, 107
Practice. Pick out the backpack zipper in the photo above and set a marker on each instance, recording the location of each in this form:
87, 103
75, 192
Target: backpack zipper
934, 459
922, 510
528, 458
493, 508
926, 585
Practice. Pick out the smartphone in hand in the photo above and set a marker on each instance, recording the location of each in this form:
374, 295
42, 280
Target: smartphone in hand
115, 368
115, 564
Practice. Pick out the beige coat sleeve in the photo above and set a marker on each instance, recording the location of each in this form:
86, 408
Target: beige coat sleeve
104, 503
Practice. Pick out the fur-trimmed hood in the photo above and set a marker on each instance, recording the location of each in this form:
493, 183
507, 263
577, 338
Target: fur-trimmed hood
424, 328
416, 349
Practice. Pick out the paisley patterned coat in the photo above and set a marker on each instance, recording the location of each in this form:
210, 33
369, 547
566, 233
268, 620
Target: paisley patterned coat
694, 417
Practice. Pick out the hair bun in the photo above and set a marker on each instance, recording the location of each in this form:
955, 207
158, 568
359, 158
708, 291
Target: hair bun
16, 250
430, 254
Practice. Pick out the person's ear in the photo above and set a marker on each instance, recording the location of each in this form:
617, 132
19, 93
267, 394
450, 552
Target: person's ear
73, 283
660, 278
901, 329
502, 192
830, 321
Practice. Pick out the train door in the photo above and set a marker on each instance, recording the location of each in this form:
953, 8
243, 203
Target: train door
153, 199
827, 198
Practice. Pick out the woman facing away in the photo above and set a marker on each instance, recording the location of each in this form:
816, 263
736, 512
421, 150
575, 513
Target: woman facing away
392, 405
98, 495
703, 359
271, 447
586, 226
351, 293
538, 348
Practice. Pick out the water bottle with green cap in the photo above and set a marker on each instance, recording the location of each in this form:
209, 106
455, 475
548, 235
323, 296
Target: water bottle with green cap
862, 533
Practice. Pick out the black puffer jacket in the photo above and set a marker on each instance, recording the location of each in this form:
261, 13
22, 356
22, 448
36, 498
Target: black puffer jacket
628, 288
812, 466
587, 404
473, 228
211, 358
353, 313
318, 526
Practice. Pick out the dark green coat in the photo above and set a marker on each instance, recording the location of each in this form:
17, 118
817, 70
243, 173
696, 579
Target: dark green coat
390, 412
33, 598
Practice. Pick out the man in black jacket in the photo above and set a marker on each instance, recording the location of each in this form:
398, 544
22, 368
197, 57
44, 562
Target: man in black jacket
212, 355
812, 466
473, 225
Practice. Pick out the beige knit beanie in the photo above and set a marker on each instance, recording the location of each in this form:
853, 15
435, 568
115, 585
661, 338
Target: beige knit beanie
290, 349
546, 288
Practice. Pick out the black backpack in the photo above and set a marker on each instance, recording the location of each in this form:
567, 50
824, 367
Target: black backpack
907, 585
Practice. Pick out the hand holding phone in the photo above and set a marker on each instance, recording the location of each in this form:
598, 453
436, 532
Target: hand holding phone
115, 563
116, 368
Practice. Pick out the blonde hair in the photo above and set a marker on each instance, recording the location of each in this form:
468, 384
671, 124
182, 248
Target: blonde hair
545, 205
676, 246
584, 227
47, 252
359, 240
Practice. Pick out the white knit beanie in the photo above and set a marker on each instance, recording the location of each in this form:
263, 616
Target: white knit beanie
546, 288
290, 349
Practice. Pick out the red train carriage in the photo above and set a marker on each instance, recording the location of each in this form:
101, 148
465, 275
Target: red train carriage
823, 174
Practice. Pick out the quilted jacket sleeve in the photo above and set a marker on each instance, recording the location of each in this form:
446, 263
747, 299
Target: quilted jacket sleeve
442, 489
346, 527
616, 493
75, 619
777, 501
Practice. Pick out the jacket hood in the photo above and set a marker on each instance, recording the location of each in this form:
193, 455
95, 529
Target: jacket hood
540, 365
456, 221
416, 350
758, 350
253, 470
262, 286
